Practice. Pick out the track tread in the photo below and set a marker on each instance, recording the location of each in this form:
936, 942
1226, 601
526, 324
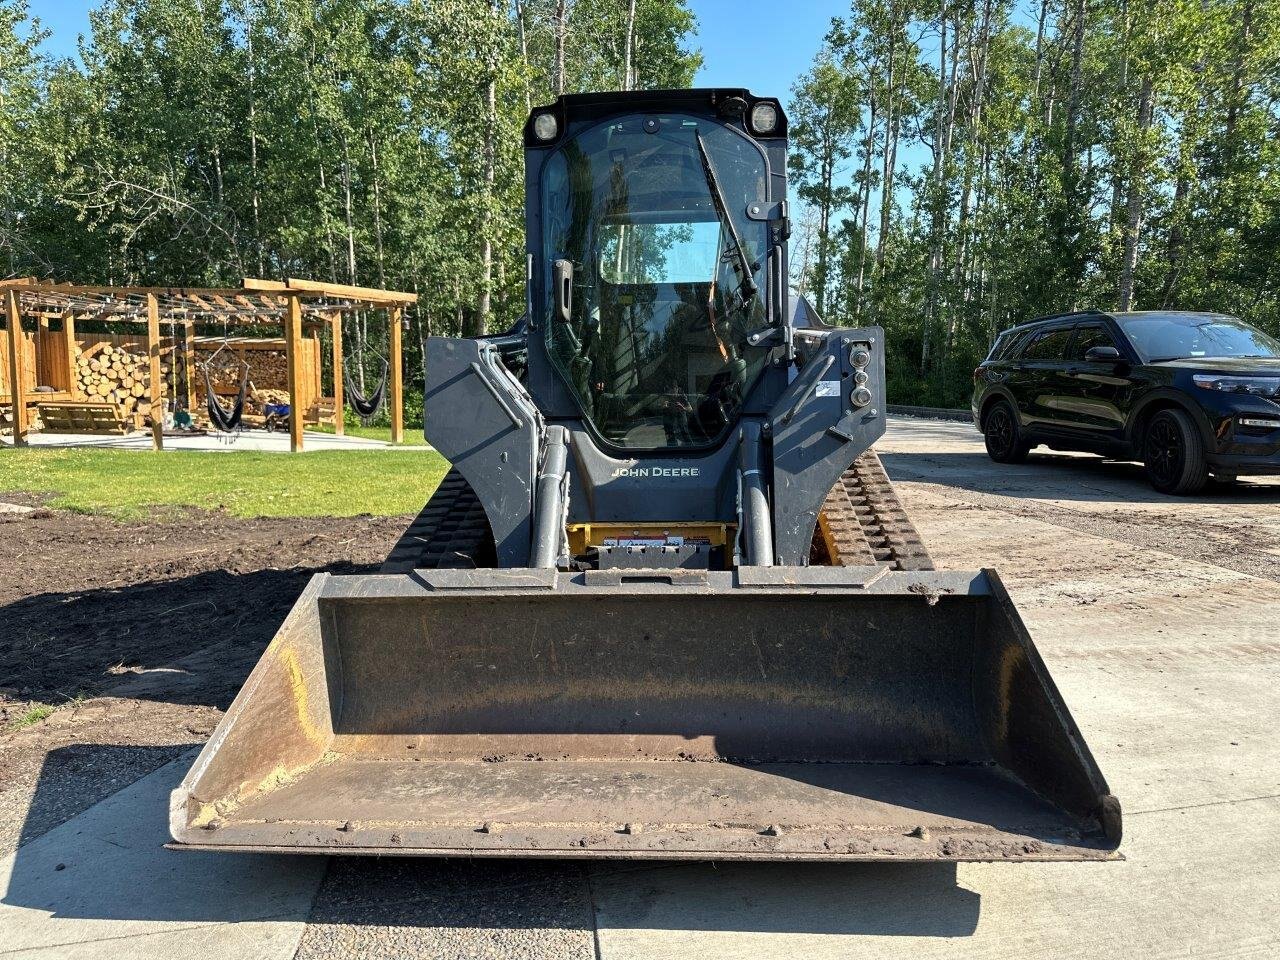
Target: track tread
863, 522
452, 531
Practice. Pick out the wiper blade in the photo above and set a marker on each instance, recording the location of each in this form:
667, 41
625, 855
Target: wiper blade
747, 283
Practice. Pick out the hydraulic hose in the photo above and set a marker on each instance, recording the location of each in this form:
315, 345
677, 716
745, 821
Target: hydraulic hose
757, 523
549, 503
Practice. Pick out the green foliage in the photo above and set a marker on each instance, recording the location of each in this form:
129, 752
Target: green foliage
327, 483
374, 142
1011, 162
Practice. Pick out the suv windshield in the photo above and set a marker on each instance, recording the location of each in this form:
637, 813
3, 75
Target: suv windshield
1180, 337
655, 348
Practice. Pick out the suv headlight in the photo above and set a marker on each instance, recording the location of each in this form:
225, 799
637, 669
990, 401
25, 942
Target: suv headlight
1257, 386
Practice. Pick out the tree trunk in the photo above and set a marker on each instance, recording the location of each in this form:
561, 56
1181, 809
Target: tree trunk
628, 81
524, 53
253, 152
938, 198
1117, 179
1073, 102
890, 149
826, 177
1035, 86
1133, 208
484, 307
562, 27
377, 211
869, 148
347, 211
1173, 251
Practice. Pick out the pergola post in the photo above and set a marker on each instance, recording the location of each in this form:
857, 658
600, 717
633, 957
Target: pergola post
153, 363
397, 377
189, 361
69, 335
339, 396
293, 352
17, 373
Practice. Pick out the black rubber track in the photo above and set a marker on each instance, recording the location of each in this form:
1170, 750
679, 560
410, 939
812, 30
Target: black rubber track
862, 513
450, 532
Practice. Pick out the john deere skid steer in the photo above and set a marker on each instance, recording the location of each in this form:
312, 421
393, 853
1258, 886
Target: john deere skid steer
665, 604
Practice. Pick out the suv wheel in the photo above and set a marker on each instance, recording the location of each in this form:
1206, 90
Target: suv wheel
1174, 454
1003, 436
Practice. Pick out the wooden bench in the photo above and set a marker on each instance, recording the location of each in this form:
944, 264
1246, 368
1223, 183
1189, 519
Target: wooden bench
322, 411
75, 416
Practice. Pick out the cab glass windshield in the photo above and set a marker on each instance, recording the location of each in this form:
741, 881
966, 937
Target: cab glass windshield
666, 283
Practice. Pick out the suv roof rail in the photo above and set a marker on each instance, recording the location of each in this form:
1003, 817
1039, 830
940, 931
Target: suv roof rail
1089, 312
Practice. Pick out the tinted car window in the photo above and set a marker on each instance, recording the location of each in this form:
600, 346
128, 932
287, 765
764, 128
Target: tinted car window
1048, 345
1003, 348
1000, 346
1179, 337
1089, 337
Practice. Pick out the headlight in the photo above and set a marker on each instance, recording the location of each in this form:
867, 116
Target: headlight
1257, 386
545, 126
764, 118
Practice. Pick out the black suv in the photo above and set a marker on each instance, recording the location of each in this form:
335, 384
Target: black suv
1188, 394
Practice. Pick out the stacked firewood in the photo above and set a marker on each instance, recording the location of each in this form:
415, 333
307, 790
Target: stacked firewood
265, 367
263, 396
116, 374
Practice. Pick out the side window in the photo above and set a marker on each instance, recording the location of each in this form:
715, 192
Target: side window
1008, 344
1088, 337
1001, 347
1048, 345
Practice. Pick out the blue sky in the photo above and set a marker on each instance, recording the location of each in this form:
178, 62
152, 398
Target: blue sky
760, 44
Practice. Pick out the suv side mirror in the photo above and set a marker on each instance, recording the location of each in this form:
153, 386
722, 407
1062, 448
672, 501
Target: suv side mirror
1102, 355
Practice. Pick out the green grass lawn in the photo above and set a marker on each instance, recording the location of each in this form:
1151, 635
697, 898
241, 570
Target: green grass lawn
130, 483
412, 435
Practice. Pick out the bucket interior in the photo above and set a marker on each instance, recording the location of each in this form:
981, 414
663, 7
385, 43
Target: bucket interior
730, 723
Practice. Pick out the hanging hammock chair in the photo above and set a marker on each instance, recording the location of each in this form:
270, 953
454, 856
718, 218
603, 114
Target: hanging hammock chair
367, 406
223, 420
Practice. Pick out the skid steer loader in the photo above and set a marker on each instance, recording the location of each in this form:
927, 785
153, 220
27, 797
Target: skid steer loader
665, 604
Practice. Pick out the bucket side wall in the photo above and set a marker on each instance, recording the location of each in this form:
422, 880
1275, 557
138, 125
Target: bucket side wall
277, 727
1025, 720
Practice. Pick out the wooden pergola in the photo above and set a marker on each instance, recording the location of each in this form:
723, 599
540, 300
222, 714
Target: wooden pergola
289, 303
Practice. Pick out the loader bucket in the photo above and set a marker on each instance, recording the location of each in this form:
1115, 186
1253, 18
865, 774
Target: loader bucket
771, 713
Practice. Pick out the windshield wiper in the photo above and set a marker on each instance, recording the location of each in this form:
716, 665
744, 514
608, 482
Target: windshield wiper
747, 284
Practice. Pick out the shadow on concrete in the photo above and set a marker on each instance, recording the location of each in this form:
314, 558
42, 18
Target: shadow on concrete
867, 899
76, 777
1052, 476
109, 863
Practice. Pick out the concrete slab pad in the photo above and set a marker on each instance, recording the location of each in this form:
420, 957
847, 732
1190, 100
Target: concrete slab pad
1199, 882
102, 884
